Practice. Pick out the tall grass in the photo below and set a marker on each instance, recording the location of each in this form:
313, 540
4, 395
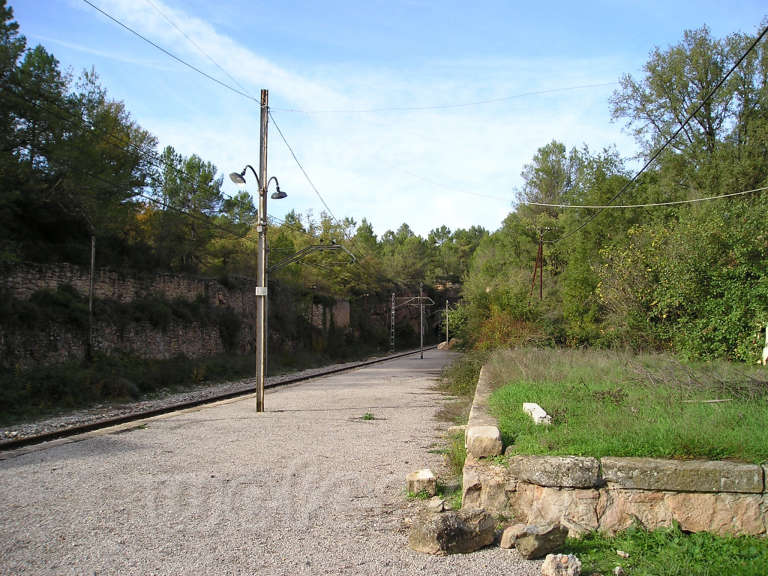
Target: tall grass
617, 404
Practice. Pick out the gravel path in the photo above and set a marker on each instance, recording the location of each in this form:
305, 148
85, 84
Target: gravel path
307, 487
161, 399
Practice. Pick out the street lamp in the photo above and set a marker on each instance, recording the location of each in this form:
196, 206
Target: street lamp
261, 266
261, 278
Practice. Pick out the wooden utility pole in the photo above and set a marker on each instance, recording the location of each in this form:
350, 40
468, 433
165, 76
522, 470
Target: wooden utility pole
261, 262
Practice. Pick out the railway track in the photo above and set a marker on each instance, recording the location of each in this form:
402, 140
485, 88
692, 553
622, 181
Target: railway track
142, 414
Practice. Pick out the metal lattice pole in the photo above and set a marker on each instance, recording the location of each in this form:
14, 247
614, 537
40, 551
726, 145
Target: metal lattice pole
392, 326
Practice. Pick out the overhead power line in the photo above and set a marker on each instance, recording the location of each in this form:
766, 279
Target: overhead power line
219, 82
649, 205
150, 156
196, 45
60, 112
172, 55
298, 163
669, 140
241, 91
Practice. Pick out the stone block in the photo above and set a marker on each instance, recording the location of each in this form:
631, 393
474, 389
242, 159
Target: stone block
557, 471
538, 541
453, 532
537, 413
619, 509
421, 481
572, 506
682, 476
483, 441
765, 478
485, 486
510, 534
478, 414
723, 514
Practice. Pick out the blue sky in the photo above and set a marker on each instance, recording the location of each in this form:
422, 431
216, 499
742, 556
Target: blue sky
454, 166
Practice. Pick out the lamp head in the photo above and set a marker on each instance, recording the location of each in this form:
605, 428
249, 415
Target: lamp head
238, 177
279, 195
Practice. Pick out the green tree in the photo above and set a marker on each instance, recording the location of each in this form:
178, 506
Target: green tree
191, 196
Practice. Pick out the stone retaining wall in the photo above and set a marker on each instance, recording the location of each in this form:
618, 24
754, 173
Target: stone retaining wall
610, 494
23, 348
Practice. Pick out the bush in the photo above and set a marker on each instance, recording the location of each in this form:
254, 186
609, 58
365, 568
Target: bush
69, 385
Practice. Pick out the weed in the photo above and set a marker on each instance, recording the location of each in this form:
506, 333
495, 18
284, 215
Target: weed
456, 454
499, 460
460, 378
368, 416
421, 495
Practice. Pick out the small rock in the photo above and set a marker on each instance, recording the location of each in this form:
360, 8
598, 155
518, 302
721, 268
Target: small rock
453, 532
421, 481
510, 534
622, 553
618, 571
538, 541
561, 565
537, 413
436, 504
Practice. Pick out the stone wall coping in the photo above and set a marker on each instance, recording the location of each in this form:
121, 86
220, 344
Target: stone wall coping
683, 475
557, 471
482, 438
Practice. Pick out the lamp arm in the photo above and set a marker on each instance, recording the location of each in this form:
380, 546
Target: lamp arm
254, 173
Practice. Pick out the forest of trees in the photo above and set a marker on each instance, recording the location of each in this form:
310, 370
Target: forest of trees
690, 277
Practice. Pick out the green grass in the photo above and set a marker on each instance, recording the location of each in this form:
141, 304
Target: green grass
614, 404
670, 552
451, 493
456, 454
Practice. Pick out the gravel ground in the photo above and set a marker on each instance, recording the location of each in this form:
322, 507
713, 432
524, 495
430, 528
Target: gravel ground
307, 487
162, 399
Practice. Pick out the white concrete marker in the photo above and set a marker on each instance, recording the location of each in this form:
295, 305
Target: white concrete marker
537, 413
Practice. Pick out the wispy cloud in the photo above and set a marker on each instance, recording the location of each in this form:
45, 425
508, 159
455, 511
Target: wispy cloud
455, 166
157, 64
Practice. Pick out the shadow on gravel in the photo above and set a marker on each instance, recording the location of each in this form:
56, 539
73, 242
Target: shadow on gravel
75, 449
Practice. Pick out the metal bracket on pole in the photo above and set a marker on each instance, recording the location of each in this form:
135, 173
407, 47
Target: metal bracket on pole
419, 301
